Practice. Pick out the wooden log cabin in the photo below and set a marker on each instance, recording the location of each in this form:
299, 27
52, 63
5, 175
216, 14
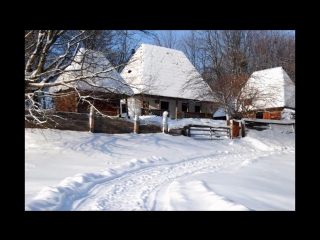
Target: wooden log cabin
165, 80
104, 90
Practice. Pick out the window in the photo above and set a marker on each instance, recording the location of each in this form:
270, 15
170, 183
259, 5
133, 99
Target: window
197, 109
164, 105
123, 108
145, 104
259, 115
184, 107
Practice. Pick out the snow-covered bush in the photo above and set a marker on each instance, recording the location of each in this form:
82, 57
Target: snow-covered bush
288, 114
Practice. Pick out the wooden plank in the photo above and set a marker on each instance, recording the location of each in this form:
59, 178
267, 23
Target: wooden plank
200, 126
206, 130
266, 115
285, 122
235, 129
243, 129
208, 126
276, 115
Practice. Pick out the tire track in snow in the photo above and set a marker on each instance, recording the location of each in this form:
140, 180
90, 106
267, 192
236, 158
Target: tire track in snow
131, 191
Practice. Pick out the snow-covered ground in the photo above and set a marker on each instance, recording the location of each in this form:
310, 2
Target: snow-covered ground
69, 170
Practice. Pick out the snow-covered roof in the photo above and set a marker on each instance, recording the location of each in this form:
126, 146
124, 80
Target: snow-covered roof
162, 71
87, 63
276, 83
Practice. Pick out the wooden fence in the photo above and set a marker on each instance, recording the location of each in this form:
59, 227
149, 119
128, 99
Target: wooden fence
207, 132
232, 129
88, 122
102, 124
196, 115
180, 114
156, 112
237, 128
264, 124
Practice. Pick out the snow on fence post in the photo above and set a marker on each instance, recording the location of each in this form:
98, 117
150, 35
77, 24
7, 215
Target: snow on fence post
136, 121
165, 122
91, 119
241, 129
238, 129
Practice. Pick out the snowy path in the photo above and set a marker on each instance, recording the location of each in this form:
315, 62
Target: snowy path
139, 190
76, 171
197, 178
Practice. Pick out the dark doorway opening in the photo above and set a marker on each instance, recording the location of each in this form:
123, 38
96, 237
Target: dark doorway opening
164, 105
184, 107
259, 115
123, 108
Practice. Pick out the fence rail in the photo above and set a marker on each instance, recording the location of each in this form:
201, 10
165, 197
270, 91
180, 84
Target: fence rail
88, 122
264, 124
196, 115
156, 112
205, 132
181, 114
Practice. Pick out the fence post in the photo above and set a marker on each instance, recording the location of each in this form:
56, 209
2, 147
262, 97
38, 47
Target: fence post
91, 119
136, 121
239, 129
243, 129
188, 130
230, 123
165, 122
235, 129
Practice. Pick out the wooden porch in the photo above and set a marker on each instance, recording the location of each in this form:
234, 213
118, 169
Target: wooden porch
180, 115
156, 112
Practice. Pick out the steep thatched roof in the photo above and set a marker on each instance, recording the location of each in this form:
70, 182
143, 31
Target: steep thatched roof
102, 75
165, 72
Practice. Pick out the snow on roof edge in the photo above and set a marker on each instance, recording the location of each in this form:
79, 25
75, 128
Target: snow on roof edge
111, 79
172, 68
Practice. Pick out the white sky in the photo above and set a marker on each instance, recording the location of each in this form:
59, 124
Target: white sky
78, 171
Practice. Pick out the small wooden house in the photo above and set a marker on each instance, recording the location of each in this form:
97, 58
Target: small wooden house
275, 91
158, 77
96, 79
269, 92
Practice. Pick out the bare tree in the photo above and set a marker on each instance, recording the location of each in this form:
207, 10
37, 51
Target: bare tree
191, 46
167, 38
272, 48
49, 54
221, 69
258, 94
126, 43
226, 59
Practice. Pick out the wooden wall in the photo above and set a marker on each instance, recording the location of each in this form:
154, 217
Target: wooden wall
66, 103
275, 115
80, 122
70, 103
